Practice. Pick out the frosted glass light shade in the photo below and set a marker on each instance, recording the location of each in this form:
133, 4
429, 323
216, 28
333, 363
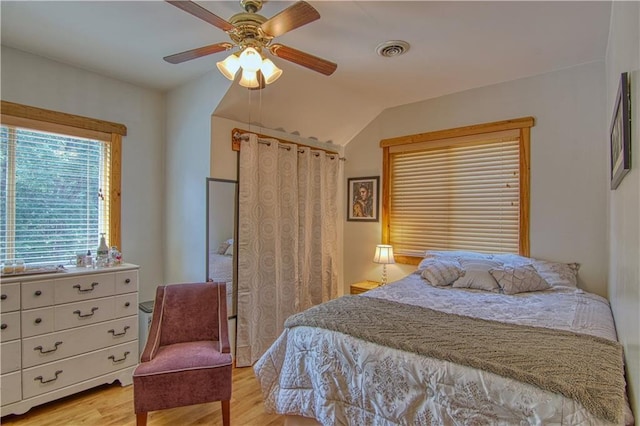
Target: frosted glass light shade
229, 66
384, 254
250, 60
249, 79
270, 71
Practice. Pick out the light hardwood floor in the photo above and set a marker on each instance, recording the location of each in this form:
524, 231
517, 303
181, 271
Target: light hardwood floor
112, 405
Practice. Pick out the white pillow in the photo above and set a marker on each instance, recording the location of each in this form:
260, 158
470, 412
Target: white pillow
512, 259
229, 251
441, 272
518, 279
477, 276
457, 254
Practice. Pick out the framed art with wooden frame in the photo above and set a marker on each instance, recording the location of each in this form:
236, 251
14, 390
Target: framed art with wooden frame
362, 202
620, 134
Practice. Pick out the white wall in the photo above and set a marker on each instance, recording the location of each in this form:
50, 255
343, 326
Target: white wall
224, 161
39, 82
568, 174
188, 148
623, 55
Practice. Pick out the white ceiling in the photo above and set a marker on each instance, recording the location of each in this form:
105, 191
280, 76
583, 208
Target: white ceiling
455, 46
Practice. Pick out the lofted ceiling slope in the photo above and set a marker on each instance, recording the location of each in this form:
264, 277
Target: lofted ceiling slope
455, 46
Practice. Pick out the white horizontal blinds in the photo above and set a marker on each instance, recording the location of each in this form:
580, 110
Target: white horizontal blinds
460, 196
59, 195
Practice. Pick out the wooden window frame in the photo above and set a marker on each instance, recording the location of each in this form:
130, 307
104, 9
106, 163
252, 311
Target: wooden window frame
14, 114
523, 125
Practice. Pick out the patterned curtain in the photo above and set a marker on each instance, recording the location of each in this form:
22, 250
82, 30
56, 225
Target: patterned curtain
287, 239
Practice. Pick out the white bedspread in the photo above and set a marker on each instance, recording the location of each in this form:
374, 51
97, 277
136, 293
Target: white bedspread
341, 380
220, 267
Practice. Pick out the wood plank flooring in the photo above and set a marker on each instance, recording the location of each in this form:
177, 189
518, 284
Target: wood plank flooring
112, 405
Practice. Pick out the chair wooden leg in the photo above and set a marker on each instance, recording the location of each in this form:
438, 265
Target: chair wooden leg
141, 419
226, 421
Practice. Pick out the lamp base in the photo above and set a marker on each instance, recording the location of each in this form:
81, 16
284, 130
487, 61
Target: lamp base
384, 274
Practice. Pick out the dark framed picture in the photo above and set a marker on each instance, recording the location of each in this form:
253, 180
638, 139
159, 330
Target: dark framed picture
620, 134
362, 201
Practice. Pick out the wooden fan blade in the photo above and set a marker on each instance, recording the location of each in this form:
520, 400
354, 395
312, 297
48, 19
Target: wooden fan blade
202, 13
197, 53
305, 59
296, 15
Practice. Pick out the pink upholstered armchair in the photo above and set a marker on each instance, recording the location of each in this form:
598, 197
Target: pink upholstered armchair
186, 359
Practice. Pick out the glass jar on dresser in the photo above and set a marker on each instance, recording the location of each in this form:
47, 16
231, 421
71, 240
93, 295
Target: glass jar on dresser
66, 332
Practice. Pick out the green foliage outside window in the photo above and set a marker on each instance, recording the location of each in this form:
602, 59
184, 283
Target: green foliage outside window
50, 196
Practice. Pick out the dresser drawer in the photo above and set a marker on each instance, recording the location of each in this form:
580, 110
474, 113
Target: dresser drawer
84, 287
84, 313
37, 294
56, 375
61, 344
10, 326
126, 282
126, 304
11, 387
37, 321
10, 297
10, 356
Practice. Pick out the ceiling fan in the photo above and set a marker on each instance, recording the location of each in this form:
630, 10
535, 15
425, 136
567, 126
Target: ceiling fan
253, 34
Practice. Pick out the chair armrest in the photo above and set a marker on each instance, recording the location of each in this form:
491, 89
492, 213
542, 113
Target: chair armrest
153, 341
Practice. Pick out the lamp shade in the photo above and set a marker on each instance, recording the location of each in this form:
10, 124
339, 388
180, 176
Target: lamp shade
384, 254
270, 71
229, 66
250, 59
249, 79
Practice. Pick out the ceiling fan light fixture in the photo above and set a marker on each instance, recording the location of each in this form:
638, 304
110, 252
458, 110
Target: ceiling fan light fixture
251, 33
249, 79
270, 71
250, 60
229, 67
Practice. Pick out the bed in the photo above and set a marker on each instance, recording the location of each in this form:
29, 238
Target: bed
449, 350
221, 271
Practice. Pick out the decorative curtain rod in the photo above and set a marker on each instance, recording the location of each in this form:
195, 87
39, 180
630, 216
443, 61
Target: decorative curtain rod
238, 135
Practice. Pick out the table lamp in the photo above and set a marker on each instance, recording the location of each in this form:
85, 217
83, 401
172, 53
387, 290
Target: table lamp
384, 255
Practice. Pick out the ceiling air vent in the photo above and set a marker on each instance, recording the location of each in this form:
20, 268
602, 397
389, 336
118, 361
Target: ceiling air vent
392, 48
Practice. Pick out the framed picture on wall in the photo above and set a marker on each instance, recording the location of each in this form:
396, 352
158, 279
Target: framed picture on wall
362, 202
620, 134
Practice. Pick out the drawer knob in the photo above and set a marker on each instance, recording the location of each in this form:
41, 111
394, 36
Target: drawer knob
112, 331
39, 348
81, 315
38, 320
113, 358
3, 326
3, 297
50, 380
38, 293
126, 305
127, 281
85, 290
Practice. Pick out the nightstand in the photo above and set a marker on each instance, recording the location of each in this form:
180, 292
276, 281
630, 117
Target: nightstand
363, 286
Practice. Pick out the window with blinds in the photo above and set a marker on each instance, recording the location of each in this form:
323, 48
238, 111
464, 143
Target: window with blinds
57, 189
462, 189
55, 195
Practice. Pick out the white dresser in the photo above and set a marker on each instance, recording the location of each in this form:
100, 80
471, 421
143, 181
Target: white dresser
65, 332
